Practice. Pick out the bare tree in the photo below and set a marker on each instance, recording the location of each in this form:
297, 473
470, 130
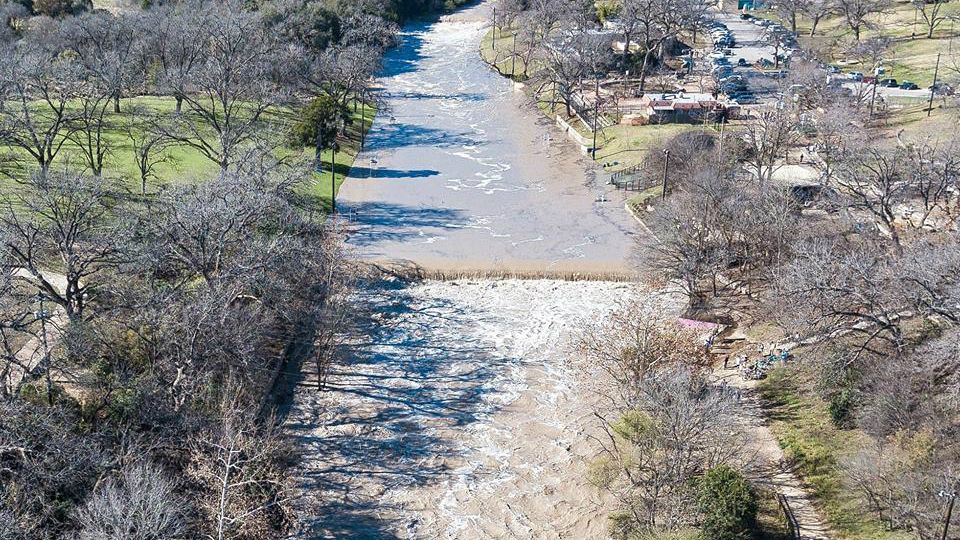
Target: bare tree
237, 81
174, 42
635, 342
876, 181
68, 223
816, 11
237, 464
857, 13
148, 143
139, 504
768, 138
679, 428
931, 13
106, 45
36, 89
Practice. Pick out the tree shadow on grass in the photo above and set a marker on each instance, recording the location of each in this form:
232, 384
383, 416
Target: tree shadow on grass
410, 374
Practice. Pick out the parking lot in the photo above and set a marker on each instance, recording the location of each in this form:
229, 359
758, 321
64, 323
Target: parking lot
742, 63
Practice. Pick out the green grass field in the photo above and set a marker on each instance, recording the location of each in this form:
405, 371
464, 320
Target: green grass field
501, 57
801, 423
912, 55
183, 163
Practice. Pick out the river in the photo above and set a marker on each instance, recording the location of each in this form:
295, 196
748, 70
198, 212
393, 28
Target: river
460, 171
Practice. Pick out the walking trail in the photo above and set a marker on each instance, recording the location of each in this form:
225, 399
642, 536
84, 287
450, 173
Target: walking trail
811, 523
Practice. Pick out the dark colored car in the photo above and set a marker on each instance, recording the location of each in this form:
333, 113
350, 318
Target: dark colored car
889, 83
742, 62
909, 85
942, 89
746, 16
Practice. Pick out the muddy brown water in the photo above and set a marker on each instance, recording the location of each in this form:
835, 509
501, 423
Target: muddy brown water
461, 171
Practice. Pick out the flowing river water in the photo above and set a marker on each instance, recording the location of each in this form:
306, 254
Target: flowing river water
456, 409
461, 171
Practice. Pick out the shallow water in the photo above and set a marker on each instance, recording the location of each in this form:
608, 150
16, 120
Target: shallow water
460, 172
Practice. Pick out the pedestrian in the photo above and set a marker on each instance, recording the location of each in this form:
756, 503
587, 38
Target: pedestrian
801, 158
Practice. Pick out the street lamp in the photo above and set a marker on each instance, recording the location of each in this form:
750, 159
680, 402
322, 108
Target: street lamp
333, 178
666, 163
946, 520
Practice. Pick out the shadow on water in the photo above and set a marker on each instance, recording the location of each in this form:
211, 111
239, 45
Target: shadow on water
376, 222
401, 378
407, 56
455, 96
383, 172
397, 134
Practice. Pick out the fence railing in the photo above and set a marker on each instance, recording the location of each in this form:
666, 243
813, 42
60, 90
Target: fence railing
788, 515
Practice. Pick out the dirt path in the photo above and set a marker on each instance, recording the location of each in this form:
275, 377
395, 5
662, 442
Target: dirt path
455, 415
34, 350
776, 473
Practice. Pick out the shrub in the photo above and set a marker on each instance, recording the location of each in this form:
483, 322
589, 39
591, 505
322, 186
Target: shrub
322, 113
841, 407
728, 504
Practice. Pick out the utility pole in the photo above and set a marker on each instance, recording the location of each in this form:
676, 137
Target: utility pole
333, 179
720, 148
933, 89
363, 120
946, 521
513, 57
596, 115
666, 163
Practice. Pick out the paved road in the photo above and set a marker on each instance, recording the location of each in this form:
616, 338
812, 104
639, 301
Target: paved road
461, 174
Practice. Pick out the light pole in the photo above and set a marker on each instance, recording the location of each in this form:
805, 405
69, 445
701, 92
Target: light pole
666, 163
933, 89
333, 178
596, 114
946, 519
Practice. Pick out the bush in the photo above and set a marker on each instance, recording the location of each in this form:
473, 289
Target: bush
728, 504
841, 407
61, 8
322, 113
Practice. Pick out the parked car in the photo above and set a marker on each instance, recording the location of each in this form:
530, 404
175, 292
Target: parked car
742, 62
833, 69
889, 83
909, 85
746, 16
855, 76
941, 89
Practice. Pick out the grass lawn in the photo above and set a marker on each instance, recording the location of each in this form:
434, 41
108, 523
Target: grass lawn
627, 145
801, 422
500, 56
911, 58
183, 163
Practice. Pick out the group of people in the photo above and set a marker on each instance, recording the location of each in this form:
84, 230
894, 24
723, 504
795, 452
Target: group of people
767, 357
